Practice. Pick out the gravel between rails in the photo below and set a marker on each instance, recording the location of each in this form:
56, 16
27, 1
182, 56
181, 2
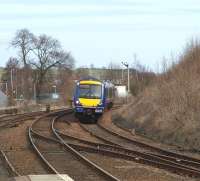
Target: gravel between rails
126, 142
160, 152
120, 152
20, 148
121, 168
9, 121
74, 129
4, 172
84, 143
130, 171
66, 162
95, 130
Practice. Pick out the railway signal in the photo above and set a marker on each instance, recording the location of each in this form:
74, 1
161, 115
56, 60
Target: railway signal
127, 66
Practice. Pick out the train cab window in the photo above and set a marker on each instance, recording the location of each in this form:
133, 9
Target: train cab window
90, 91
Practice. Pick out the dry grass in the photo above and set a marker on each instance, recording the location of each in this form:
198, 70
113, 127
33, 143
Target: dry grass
169, 110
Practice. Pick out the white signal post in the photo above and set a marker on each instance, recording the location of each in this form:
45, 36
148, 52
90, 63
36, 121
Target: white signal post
34, 92
11, 80
127, 66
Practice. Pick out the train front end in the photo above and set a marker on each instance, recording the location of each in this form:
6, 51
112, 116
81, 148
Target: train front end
88, 98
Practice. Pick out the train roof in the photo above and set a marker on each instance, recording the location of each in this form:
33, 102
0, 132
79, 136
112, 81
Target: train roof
93, 80
90, 80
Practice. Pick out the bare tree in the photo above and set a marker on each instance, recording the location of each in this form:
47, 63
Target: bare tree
23, 42
49, 54
38, 55
12, 63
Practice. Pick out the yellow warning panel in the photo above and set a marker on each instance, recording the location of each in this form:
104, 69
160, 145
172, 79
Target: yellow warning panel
89, 102
91, 82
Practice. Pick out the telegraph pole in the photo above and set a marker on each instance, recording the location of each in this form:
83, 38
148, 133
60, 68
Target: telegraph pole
128, 80
54, 86
11, 81
6, 88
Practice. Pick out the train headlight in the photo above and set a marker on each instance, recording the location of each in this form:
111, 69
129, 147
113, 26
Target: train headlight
78, 103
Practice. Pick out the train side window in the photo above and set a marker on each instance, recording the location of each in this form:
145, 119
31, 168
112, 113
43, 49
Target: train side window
110, 93
106, 92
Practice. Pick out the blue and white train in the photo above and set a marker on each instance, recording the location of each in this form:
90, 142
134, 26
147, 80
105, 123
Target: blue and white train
92, 97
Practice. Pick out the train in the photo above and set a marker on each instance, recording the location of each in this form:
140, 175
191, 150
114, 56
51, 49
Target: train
92, 97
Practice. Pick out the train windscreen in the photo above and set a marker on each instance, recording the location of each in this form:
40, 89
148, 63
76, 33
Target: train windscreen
90, 91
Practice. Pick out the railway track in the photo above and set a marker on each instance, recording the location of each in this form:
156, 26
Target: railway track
11, 150
6, 168
156, 151
186, 168
13, 120
57, 149
118, 140
8, 116
10, 120
130, 155
123, 152
57, 155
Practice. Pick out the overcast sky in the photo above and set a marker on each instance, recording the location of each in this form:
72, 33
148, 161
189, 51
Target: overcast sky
98, 32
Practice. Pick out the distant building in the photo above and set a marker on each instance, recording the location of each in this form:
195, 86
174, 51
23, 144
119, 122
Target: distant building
48, 98
121, 91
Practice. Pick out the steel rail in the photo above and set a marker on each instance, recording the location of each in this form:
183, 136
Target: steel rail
174, 156
99, 137
65, 146
45, 161
190, 161
175, 168
20, 114
47, 138
120, 152
11, 168
123, 150
27, 114
151, 159
81, 157
185, 163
